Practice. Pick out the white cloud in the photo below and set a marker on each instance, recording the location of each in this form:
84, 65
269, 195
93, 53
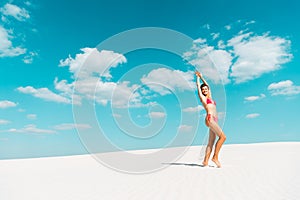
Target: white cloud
69, 126
28, 3
6, 47
250, 22
3, 18
284, 88
44, 93
63, 86
66, 90
213, 63
162, 80
185, 128
92, 88
227, 27
121, 94
3, 122
193, 109
28, 59
20, 14
257, 55
255, 98
242, 58
221, 44
252, 115
200, 41
93, 62
31, 116
30, 128
125, 95
215, 35
92, 70
7, 104
157, 114
93, 83
206, 26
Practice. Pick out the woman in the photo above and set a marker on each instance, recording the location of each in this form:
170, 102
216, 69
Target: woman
211, 121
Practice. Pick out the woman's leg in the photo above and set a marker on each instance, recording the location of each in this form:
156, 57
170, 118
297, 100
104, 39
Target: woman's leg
209, 147
216, 129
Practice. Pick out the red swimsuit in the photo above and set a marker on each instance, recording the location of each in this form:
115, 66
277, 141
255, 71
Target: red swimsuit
210, 101
210, 116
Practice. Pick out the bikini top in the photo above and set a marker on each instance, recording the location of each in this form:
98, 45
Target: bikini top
210, 101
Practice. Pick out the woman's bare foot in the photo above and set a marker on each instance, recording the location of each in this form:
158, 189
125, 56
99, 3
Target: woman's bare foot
216, 161
204, 164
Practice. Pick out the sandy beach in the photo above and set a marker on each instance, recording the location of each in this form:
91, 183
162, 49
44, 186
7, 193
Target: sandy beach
249, 171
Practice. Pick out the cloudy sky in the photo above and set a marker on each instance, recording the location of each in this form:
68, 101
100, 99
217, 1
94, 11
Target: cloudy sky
58, 84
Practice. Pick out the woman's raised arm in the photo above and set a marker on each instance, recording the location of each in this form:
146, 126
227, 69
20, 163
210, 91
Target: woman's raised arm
199, 76
201, 96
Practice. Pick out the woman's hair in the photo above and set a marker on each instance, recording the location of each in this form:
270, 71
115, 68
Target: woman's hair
203, 85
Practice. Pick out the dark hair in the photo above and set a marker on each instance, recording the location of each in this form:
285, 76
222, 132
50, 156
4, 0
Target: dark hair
203, 85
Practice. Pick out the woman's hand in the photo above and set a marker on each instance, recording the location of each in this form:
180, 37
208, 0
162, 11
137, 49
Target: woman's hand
198, 74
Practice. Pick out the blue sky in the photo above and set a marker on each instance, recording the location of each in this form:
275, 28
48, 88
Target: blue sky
249, 53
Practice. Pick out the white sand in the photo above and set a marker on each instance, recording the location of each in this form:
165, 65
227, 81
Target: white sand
250, 171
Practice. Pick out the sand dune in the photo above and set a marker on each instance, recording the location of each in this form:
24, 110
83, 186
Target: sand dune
249, 171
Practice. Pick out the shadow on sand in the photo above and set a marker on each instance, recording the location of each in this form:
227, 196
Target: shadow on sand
188, 164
